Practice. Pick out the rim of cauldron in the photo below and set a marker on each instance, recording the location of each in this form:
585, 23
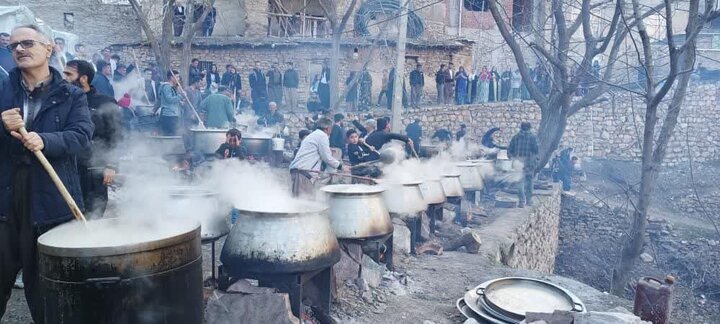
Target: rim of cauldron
352, 190
301, 208
190, 233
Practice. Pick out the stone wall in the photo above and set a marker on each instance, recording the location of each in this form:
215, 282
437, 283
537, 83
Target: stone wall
96, 24
611, 130
525, 238
307, 58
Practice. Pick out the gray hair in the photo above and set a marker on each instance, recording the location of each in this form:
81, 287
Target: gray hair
324, 123
37, 29
372, 123
272, 103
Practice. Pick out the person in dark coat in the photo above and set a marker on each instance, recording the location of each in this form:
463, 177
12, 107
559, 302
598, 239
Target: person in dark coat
488, 140
58, 122
258, 90
6, 60
414, 131
272, 117
391, 91
461, 133
232, 149
209, 22
357, 153
366, 100
563, 168
151, 87
324, 86
505, 85
101, 82
417, 83
382, 136
195, 72
352, 93
291, 82
442, 135
275, 84
212, 77
440, 84
98, 165
232, 80
337, 135
524, 148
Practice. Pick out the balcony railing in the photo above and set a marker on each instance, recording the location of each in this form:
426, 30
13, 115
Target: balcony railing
286, 25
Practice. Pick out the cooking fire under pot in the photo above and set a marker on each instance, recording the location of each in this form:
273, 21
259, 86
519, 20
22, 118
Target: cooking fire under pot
285, 247
116, 270
358, 215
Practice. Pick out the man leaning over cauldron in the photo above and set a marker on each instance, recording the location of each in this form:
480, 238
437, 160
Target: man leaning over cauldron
57, 118
314, 150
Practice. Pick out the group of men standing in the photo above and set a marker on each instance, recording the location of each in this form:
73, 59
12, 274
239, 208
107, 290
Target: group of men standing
265, 87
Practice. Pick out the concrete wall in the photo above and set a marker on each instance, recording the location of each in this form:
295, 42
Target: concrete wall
525, 238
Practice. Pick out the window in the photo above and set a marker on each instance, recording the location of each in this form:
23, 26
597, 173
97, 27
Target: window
288, 18
522, 15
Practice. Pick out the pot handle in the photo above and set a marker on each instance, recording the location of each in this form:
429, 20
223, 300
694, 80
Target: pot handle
578, 307
103, 283
480, 291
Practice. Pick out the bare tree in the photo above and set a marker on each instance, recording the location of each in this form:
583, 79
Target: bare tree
161, 44
656, 137
553, 54
337, 25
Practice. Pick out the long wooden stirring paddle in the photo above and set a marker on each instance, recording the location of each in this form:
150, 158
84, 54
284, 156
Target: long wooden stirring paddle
58, 183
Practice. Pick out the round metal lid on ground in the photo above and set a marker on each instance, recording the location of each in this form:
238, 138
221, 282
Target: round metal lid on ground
513, 297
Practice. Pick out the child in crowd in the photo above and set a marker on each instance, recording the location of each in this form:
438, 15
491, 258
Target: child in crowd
357, 152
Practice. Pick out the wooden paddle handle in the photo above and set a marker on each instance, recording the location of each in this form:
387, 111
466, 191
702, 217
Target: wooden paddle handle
56, 179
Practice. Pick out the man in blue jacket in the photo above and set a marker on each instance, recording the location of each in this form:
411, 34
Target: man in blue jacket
57, 118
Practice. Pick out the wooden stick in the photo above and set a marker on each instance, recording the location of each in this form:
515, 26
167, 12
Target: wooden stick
412, 148
58, 183
182, 91
341, 175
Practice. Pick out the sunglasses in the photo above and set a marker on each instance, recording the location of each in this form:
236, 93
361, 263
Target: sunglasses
26, 44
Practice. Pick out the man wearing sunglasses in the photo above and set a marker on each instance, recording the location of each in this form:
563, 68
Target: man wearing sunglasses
57, 119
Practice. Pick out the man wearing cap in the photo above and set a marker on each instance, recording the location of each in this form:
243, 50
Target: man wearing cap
524, 148
313, 152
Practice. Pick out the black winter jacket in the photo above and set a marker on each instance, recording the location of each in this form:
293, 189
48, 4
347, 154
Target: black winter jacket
63, 122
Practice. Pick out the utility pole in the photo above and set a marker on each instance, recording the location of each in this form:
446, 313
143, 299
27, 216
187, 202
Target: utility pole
400, 68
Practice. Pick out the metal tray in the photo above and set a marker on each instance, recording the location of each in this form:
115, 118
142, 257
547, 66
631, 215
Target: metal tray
471, 302
512, 297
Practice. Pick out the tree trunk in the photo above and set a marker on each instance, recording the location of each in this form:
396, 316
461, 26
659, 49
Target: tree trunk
335, 71
550, 132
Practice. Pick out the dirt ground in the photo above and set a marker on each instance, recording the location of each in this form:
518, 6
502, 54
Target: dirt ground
682, 240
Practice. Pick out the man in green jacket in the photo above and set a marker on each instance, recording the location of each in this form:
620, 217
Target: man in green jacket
218, 109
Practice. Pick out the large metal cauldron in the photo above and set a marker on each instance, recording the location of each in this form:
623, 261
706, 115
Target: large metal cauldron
432, 191
470, 176
358, 211
257, 146
451, 185
200, 204
122, 271
403, 197
293, 238
164, 145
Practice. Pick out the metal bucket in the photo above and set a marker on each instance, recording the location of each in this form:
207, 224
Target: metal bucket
97, 273
278, 144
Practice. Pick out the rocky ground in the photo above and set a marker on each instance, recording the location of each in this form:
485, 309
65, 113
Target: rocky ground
682, 239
